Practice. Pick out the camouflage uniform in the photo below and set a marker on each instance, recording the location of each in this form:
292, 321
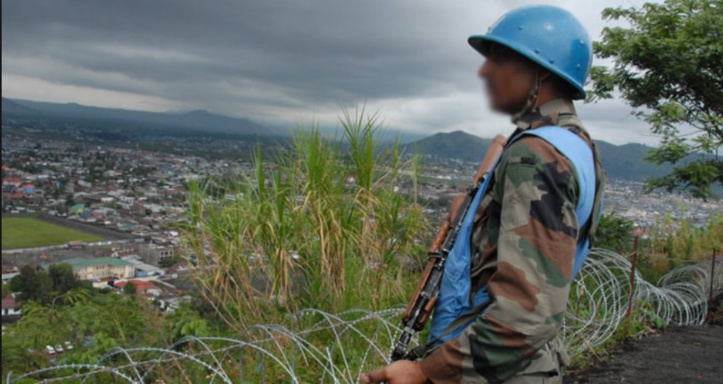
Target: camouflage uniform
523, 243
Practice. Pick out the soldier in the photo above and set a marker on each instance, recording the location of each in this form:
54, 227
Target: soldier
527, 230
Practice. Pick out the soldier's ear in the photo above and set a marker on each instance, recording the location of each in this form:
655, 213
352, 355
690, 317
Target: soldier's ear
543, 74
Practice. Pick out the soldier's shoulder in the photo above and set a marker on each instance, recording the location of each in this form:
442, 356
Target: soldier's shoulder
532, 147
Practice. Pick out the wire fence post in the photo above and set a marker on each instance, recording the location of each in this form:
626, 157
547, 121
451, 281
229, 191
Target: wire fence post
633, 263
712, 277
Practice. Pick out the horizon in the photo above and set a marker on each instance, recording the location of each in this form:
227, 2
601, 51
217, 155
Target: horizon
410, 62
411, 137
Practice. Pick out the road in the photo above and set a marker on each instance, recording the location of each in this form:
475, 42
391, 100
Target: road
678, 355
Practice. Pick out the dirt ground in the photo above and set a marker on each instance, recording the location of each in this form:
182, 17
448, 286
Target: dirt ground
678, 355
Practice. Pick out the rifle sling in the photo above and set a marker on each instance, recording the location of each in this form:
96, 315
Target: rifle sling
423, 350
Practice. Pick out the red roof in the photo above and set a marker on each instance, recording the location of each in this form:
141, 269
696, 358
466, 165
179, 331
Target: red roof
15, 180
9, 302
28, 186
17, 196
5, 168
141, 285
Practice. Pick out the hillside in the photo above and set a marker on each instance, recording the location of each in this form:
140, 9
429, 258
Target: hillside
33, 111
621, 162
627, 162
452, 145
10, 107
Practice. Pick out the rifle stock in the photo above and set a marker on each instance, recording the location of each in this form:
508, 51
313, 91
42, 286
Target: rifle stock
422, 304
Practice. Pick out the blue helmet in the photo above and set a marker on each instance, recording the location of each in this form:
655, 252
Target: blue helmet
550, 36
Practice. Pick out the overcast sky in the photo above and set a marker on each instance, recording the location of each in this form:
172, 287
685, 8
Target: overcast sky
278, 62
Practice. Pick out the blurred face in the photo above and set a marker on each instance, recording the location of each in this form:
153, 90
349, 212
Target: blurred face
508, 78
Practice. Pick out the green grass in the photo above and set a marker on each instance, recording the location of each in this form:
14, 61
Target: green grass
28, 232
347, 243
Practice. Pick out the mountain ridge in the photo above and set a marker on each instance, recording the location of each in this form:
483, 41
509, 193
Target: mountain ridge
9, 106
620, 161
197, 119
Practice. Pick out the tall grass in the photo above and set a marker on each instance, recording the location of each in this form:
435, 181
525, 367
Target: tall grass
674, 244
321, 225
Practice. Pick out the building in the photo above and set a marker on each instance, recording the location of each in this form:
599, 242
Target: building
78, 209
155, 254
14, 181
143, 269
10, 307
76, 245
8, 276
146, 288
28, 188
101, 268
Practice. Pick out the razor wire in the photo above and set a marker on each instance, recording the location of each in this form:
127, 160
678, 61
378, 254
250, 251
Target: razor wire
315, 346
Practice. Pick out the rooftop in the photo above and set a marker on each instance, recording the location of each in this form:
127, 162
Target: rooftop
9, 302
79, 263
141, 285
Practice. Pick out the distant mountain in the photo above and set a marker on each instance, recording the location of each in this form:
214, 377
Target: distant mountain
627, 162
195, 120
9, 106
621, 162
452, 145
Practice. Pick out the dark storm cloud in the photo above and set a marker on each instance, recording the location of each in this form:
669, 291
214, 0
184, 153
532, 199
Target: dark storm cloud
272, 60
316, 50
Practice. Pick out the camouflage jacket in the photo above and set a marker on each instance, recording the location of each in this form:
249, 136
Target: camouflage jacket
523, 243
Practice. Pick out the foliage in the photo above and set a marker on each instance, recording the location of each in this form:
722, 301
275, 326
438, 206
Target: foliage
614, 233
322, 228
59, 282
130, 288
667, 66
32, 284
674, 244
93, 326
64, 279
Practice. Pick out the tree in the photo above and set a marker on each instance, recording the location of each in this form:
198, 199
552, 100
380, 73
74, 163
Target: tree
614, 233
667, 66
47, 287
31, 284
94, 325
69, 202
130, 288
63, 278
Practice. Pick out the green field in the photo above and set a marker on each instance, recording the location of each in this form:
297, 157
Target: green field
27, 232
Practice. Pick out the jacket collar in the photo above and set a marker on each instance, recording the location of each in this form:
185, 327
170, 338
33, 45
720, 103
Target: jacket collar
558, 112
554, 112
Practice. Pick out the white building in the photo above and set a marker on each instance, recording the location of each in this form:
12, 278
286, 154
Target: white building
102, 267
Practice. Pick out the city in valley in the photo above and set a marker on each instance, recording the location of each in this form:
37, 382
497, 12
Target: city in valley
121, 208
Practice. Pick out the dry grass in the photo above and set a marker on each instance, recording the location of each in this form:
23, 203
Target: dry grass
321, 227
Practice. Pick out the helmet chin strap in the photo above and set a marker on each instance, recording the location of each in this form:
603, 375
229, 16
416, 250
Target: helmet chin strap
532, 97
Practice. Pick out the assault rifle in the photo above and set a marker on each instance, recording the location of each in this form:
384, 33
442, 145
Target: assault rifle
425, 297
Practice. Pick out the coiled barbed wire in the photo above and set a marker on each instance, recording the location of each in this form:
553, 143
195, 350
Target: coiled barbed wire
315, 346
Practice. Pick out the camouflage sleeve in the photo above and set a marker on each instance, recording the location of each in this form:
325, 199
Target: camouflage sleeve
535, 186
